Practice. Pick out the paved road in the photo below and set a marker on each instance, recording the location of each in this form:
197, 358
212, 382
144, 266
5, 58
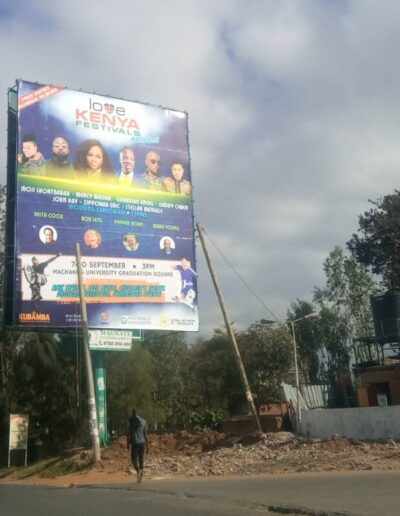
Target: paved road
51, 501
361, 494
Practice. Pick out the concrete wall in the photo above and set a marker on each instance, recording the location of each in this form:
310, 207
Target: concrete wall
360, 423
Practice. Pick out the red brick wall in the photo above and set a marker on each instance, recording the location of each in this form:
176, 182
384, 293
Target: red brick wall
379, 376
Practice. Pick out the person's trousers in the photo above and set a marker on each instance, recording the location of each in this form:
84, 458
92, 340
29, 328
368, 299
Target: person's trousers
137, 455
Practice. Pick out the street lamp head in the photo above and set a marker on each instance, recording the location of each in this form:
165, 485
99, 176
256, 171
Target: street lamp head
268, 321
312, 315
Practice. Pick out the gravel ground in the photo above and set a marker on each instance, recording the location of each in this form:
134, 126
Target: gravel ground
211, 453
205, 454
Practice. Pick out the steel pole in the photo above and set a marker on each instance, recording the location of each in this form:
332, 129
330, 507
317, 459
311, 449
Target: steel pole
298, 409
228, 325
94, 429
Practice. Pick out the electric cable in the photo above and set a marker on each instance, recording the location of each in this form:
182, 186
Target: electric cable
250, 289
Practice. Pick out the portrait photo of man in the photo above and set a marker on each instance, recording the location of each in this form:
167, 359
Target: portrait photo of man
176, 183
131, 242
151, 178
92, 238
48, 235
126, 176
35, 276
167, 247
58, 165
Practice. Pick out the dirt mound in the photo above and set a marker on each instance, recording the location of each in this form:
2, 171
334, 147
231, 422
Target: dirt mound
168, 444
185, 443
213, 453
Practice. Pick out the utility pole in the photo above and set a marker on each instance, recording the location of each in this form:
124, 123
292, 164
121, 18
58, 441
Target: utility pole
228, 325
94, 429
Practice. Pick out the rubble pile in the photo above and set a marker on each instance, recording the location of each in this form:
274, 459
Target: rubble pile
213, 453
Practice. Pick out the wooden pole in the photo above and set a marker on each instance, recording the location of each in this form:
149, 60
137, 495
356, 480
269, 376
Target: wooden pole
94, 429
229, 329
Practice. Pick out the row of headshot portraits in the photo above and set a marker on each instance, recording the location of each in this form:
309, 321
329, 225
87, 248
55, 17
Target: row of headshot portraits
93, 163
92, 238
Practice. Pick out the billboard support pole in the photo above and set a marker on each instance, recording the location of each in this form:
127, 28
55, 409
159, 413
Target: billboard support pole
99, 361
94, 429
229, 329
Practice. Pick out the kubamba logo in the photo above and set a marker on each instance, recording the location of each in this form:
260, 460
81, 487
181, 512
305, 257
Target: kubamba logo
34, 317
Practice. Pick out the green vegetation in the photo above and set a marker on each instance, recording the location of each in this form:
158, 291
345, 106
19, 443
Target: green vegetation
175, 385
377, 243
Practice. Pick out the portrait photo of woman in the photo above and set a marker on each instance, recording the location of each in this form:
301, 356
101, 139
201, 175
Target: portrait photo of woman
93, 163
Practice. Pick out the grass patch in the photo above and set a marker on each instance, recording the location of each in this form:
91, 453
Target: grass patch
49, 468
64, 467
5, 472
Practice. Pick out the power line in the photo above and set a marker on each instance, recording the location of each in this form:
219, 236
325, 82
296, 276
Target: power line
250, 289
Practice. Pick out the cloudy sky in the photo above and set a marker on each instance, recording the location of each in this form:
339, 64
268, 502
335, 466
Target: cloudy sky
294, 117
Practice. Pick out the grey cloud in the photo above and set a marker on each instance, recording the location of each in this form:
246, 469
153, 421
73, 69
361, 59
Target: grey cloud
293, 113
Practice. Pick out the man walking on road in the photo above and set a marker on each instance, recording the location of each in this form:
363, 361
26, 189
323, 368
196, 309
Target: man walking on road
138, 443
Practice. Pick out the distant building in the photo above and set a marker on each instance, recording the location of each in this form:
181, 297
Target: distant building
380, 383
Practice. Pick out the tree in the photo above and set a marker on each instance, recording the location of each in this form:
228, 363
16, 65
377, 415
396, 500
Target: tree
8, 340
345, 314
130, 383
267, 355
378, 242
347, 292
43, 386
218, 381
335, 356
173, 394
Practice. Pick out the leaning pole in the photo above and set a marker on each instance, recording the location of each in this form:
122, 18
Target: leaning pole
229, 329
94, 429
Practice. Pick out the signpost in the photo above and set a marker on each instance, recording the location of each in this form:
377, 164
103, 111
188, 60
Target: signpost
113, 340
18, 437
100, 341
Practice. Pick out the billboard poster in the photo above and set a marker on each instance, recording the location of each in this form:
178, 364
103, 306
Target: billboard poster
114, 176
18, 438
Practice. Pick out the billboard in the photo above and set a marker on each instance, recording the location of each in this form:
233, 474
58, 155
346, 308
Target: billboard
114, 176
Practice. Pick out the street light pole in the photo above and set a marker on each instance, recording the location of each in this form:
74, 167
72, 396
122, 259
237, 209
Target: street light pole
292, 323
296, 368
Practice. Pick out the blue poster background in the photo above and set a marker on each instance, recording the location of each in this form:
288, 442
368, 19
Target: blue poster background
71, 206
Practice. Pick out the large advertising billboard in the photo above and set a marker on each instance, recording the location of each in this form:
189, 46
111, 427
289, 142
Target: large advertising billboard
113, 176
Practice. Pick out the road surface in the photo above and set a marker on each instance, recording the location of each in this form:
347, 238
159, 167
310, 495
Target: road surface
325, 494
